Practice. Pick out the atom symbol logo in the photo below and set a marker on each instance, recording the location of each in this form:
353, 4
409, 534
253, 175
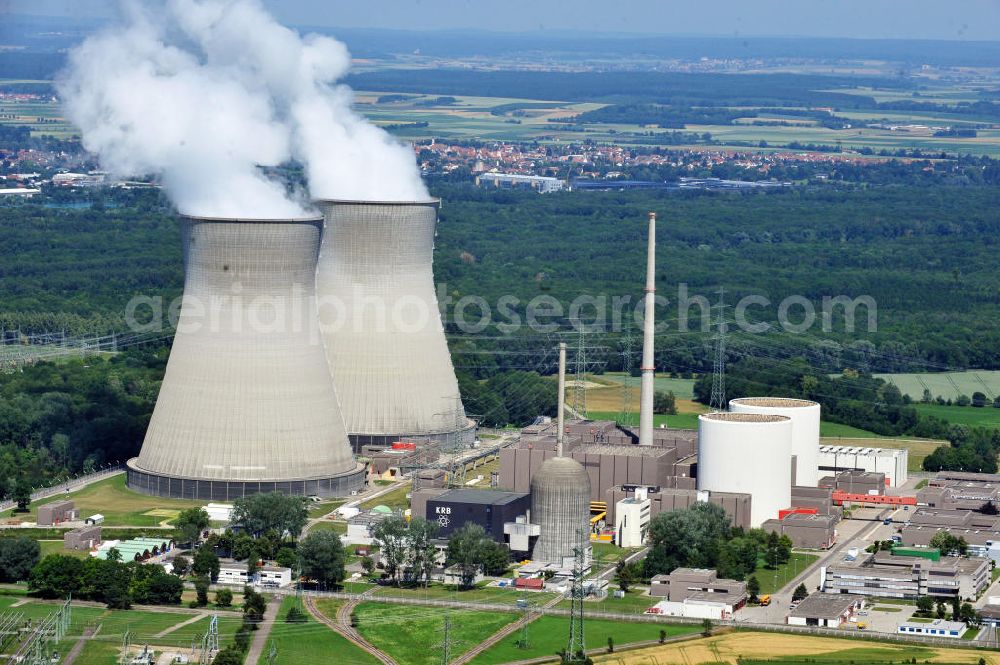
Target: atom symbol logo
443, 521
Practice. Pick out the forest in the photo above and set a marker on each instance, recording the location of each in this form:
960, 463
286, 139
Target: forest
925, 255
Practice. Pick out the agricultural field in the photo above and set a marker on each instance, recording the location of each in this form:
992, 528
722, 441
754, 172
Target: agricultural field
119, 505
986, 416
503, 118
299, 643
548, 634
947, 385
742, 648
44, 117
412, 634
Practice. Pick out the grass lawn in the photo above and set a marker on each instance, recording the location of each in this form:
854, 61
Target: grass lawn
679, 421
636, 601
411, 635
328, 525
773, 580
228, 625
887, 609
985, 416
310, 642
607, 553
56, 547
396, 499
119, 505
827, 429
320, 508
548, 635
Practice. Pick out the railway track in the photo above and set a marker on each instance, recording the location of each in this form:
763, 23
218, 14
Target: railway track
501, 634
343, 626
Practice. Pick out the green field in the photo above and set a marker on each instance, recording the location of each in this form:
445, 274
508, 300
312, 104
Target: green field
548, 635
771, 581
636, 601
119, 505
948, 385
412, 635
395, 499
837, 430
985, 416
299, 643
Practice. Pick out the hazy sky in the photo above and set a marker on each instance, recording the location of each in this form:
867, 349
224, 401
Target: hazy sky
932, 19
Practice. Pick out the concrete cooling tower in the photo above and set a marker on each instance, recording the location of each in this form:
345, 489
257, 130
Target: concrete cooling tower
560, 505
805, 430
247, 404
385, 342
748, 453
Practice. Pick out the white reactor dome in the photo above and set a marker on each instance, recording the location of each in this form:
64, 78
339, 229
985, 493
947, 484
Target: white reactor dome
805, 416
560, 505
747, 453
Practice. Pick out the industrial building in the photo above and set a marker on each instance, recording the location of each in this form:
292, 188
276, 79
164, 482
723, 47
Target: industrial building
825, 610
453, 509
83, 538
936, 628
808, 530
749, 453
805, 416
543, 184
560, 505
697, 593
56, 512
245, 406
889, 461
379, 316
899, 576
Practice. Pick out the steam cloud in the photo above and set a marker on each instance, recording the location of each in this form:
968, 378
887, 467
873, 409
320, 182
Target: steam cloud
205, 92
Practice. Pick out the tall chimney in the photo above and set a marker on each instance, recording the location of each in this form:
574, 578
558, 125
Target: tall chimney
648, 362
561, 432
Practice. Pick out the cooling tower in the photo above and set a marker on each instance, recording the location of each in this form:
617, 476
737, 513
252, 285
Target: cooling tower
247, 404
805, 430
560, 505
747, 453
384, 340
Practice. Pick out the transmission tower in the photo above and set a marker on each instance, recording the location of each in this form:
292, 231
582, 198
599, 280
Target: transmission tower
524, 642
210, 643
718, 400
126, 646
446, 642
577, 644
272, 653
625, 416
579, 390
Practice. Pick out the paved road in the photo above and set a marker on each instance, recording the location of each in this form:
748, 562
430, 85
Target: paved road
264, 630
852, 533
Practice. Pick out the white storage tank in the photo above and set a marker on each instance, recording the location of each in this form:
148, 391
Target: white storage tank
805, 415
748, 453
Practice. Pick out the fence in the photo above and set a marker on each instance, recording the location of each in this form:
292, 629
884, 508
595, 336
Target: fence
70, 484
869, 636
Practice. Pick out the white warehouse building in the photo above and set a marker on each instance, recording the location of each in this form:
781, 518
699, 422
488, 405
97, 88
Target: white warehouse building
890, 461
748, 453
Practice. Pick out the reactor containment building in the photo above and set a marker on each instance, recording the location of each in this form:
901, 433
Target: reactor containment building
379, 315
247, 403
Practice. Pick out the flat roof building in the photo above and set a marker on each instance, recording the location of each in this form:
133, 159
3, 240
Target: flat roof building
826, 610
890, 461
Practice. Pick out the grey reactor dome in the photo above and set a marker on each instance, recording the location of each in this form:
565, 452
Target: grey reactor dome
378, 309
560, 505
247, 403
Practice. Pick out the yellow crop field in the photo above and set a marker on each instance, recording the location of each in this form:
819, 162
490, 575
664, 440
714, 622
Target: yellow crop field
729, 648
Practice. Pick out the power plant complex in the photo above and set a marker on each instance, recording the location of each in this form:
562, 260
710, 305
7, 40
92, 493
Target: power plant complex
304, 342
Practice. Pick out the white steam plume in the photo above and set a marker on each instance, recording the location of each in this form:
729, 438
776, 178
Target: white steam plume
203, 92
